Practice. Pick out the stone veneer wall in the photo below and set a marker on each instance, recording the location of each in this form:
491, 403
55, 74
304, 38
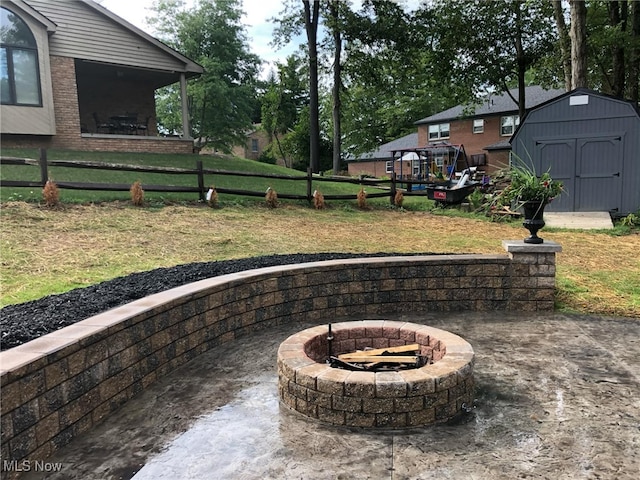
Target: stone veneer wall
62, 384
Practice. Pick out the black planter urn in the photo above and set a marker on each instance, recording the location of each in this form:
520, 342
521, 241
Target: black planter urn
533, 211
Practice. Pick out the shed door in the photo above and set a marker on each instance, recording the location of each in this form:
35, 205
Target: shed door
558, 156
590, 168
599, 173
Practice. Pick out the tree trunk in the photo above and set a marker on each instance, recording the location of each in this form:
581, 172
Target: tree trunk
634, 62
565, 42
521, 60
578, 33
311, 26
618, 12
337, 84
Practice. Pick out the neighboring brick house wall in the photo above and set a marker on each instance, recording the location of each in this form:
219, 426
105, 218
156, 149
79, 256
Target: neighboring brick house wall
461, 132
255, 144
377, 168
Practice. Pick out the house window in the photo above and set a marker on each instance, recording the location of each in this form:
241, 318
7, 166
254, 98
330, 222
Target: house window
389, 166
508, 124
19, 76
440, 131
478, 125
254, 145
415, 167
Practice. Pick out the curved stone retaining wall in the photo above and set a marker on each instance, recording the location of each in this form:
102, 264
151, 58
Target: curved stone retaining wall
64, 383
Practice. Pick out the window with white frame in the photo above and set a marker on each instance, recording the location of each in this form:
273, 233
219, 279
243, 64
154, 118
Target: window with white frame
389, 166
415, 164
254, 145
437, 132
508, 124
19, 75
478, 125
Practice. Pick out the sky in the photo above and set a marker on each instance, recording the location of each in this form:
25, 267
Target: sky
257, 14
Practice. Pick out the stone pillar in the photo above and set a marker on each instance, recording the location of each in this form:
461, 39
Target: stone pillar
533, 275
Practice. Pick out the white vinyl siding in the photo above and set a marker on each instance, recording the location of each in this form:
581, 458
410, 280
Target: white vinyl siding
440, 131
85, 34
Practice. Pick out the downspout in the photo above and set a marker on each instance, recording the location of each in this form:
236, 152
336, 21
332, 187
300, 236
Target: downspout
186, 125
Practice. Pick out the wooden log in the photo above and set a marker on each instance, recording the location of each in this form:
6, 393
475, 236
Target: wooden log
379, 358
414, 347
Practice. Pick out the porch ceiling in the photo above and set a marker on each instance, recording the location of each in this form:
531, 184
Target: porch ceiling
104, 71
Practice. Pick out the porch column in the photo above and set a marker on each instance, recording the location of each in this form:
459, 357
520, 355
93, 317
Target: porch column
186, 125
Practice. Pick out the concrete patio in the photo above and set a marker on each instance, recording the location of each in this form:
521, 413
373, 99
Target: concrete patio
557, 396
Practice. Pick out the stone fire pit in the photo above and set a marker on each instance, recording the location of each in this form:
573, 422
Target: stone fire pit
433, 393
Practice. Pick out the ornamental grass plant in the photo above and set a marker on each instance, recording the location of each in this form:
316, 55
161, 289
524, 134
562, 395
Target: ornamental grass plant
524, 185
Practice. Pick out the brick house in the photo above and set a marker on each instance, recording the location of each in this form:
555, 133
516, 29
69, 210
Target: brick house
483, 130
255, 143
379, 163
76, 76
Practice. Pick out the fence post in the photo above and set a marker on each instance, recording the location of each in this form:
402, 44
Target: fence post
309, 181
200, 179
392, 198
44, 171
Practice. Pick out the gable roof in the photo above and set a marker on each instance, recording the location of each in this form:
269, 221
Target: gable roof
90, 32
384, 151
36, 15
498, 104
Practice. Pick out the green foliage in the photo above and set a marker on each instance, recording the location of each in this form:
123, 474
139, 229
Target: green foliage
632, 220
222, 100
267, 157
479, 44
525, 185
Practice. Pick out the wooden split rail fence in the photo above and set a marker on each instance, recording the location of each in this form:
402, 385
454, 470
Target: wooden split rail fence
390, 187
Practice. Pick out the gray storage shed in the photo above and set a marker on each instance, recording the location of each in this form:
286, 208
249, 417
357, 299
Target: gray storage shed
589, 141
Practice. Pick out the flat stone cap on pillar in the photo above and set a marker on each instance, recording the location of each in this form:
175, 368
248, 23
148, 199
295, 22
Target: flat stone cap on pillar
518, 246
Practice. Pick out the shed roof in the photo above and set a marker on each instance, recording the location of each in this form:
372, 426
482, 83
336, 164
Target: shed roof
498, 104
575, 92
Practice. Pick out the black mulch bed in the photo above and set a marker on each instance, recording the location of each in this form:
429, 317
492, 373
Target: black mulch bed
26, 321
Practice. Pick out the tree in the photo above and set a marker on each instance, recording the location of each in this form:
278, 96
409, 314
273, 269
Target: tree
334, 17
564, 40
491, 43
283, 102
223, 99
578, 35
311, 22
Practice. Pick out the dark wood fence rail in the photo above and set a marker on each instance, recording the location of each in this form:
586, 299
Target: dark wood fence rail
199, 172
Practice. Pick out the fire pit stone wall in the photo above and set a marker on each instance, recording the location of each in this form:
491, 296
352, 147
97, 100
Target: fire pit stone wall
434, 393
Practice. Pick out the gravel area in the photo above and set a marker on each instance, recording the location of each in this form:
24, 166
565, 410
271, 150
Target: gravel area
26, 321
